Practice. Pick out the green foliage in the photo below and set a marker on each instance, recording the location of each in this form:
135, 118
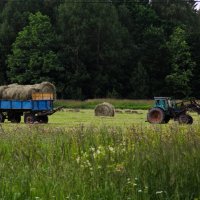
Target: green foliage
181, 64
99, 50
91, 37
90, 162
33, 58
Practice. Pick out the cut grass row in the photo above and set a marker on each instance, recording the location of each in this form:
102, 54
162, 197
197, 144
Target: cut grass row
121, 104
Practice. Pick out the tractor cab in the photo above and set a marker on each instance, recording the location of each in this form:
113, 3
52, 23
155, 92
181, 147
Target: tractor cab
165, 103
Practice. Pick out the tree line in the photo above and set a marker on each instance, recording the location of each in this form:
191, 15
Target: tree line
117, 49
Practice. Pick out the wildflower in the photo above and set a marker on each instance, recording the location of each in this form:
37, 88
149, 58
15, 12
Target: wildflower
111, 149
78, 160
159, 192
92, 149
140, 191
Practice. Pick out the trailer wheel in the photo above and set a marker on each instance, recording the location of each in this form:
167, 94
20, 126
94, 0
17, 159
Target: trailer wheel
29, 118
156, 116
2, 118
185, 119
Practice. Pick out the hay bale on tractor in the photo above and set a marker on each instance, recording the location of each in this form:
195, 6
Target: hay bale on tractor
104, 109
24, 92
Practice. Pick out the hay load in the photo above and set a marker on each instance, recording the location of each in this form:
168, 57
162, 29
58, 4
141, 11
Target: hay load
104, 109
24, 92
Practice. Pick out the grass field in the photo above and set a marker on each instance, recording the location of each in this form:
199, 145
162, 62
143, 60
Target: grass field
117, 103
80, 156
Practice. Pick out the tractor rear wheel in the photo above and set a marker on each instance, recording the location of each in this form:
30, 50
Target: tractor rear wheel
156, 116
185, 119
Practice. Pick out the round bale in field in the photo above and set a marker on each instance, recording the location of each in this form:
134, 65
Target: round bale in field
104, 109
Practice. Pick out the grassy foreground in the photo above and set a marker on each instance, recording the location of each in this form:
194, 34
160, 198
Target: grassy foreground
101, 161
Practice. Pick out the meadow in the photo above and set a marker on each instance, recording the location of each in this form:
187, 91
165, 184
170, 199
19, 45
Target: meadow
80, 156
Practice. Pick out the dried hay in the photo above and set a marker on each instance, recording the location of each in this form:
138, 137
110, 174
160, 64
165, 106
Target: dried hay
2, 88
118, 111
104, 109
24, 92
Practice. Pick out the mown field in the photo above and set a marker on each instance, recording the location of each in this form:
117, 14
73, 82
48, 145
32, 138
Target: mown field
80, 156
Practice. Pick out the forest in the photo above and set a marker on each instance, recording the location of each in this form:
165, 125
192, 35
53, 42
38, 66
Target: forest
101, 48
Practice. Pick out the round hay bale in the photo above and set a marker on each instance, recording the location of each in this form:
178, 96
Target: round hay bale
104, 109
46, 87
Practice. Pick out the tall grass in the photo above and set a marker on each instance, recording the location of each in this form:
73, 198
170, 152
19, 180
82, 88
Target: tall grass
101, 163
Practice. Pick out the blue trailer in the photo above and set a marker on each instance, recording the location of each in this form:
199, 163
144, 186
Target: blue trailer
35, 110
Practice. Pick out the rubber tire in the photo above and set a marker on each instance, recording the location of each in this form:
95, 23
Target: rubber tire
185, 119
29, 118
190, 119
2, 118
156, 116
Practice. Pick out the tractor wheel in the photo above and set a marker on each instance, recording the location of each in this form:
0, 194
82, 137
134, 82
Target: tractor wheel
156, 116
185, 119
29, 118
190, 119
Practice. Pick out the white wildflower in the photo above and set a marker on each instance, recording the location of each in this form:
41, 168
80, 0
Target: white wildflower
159, 192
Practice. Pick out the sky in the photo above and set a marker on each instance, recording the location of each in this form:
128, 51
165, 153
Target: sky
198, 5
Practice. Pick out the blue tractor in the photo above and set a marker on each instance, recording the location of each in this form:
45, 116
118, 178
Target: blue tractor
165, 108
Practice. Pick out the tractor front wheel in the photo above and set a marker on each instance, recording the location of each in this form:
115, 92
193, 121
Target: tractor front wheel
185, 119
156, 116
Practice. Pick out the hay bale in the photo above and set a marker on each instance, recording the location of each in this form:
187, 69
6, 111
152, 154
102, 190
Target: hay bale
24, 92
19, 92
46, 87
104, 109
2, 89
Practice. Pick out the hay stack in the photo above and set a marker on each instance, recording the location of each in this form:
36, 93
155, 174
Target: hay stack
104, 109
24, 92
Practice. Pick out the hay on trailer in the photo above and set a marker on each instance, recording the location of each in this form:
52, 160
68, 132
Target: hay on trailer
2, 89
104, 109
47, 87
24, 92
